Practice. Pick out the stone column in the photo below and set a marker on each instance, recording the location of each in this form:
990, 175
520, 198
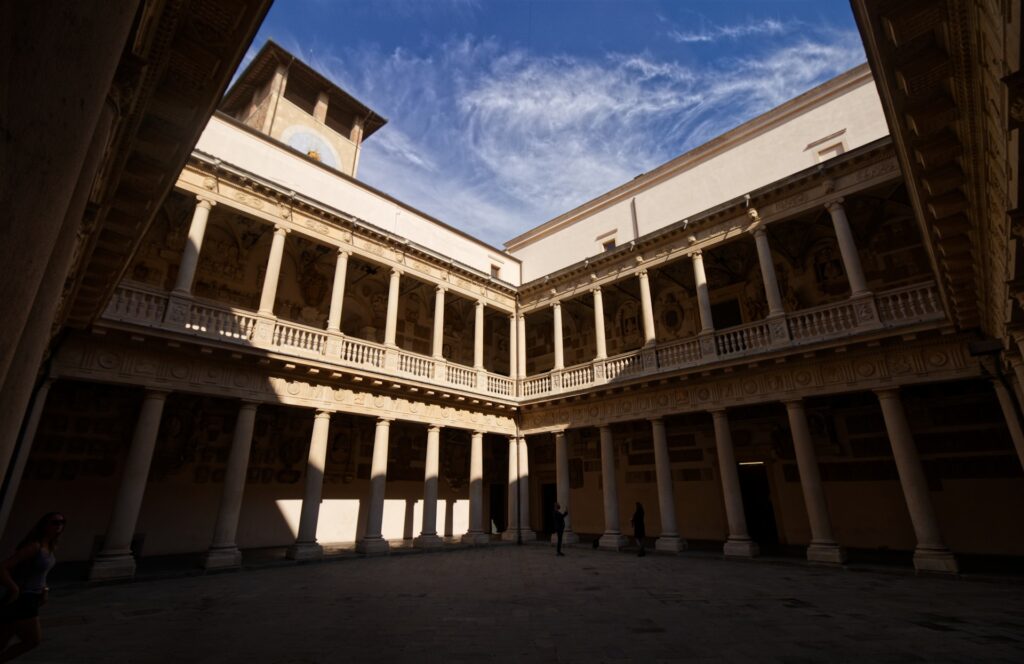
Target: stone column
707, 325
115, 559
438, 346
524, 491
562, 472
599, 336
476, 533
847, 249
1011, 416
823, 547
306, 546
428, 538
739, 543
612, 537
224, 549
24, 448
338, 292
391, 326
373, 541
513, 352
931, 553
556, 309
190, 257
669, 539
521, 344
478, 336
269, 293
771, 283
513, 491
647, 308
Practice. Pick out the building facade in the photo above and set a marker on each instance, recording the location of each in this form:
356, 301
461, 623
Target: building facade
760, 341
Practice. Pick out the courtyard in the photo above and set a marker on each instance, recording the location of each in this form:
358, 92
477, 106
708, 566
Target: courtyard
509, 603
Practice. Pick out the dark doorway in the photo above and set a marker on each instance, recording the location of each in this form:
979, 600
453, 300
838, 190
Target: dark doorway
548, 498
757, 505
499, 511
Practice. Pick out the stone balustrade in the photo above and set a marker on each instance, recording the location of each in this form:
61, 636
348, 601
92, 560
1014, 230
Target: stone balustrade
899, 307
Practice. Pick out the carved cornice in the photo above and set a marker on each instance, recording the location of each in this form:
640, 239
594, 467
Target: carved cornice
945, 358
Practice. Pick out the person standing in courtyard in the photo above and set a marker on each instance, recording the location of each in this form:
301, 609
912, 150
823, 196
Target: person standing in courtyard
560, 527
639, 530
23, 580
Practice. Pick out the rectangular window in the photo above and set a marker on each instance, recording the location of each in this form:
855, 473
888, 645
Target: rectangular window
495, 271
608, 245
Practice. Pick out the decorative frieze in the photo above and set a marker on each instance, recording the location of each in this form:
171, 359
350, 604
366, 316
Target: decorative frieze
109, 362
855, 371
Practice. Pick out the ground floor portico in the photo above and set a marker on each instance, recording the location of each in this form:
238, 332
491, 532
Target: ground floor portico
155, 452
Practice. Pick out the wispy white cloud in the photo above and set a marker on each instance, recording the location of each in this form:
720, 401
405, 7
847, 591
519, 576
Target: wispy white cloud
495, 140
767, 26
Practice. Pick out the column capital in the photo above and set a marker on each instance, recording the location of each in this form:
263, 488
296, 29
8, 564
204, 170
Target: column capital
440, 288
323, 413
595, 289
344, 251
479, 432
834, 203
249, 403
281, 230
205, 201
642, 273
481, 304
156, 393
397, 271
435, 427
653, 420
384, 421
696, 253
717, 412
795, 402
559, 432
557, 304
888, 392
759, 230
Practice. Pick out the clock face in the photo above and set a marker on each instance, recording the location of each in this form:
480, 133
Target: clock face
309, 142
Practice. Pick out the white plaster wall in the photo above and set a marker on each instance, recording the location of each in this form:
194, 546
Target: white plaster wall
239, 147
743, 164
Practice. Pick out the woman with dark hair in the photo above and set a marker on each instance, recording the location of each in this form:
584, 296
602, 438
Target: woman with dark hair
639, 528
23, 580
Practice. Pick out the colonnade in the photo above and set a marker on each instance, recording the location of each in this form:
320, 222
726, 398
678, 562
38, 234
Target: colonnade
272, 275
930, 553
773, 295
115, 559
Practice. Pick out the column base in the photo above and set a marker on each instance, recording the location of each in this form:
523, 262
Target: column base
612, 541
108, 566
671, 544
475, 538
737, 548
222, 557
828, 553
568, 538
305, 551
511, 535
373, 546
430, 541
938, 561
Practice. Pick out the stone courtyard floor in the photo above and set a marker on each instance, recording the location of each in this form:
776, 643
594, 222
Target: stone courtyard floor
508, 603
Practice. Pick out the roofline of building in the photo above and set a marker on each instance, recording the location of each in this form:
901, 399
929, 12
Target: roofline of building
220, 115
833, 87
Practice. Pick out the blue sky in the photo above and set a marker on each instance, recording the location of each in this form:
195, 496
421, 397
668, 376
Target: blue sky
506, 113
